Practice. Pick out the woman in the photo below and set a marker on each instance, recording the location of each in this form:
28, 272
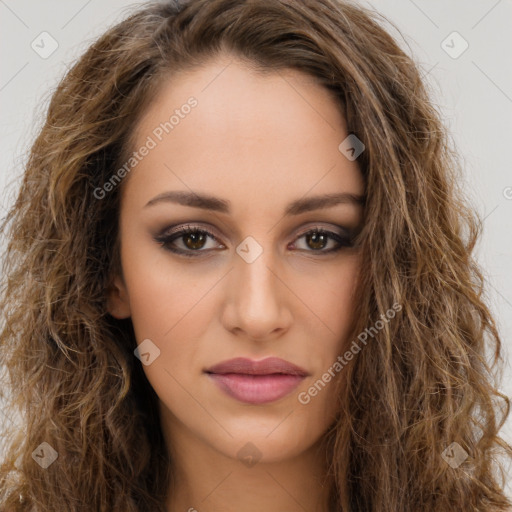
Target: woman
239, 277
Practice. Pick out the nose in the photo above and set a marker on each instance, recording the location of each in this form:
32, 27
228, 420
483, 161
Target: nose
258, 300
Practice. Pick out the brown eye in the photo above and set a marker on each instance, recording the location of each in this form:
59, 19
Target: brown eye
317, 240
194, 240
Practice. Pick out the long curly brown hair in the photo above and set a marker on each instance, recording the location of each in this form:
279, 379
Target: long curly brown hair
430, 378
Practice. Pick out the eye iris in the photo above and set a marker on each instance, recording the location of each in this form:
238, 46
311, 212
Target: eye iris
318, 240
197, 240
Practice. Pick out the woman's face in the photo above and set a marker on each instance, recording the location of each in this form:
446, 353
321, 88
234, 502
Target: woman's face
248, 154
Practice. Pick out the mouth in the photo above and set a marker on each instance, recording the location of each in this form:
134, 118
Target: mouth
257, 382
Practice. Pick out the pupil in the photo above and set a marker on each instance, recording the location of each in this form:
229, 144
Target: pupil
197, 240
317, 239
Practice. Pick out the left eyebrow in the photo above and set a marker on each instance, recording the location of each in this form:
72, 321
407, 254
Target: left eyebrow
308, 204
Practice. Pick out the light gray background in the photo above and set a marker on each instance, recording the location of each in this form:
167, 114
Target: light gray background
473, 91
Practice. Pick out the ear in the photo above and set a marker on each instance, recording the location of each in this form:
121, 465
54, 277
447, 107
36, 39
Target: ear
118, 303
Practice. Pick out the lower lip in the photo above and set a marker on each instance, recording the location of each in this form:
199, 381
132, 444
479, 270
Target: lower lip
256, 389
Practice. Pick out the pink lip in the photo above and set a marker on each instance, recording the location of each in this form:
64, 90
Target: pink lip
267, 366
256, 382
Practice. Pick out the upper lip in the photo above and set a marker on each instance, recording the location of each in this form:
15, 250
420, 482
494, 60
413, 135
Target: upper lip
268, 366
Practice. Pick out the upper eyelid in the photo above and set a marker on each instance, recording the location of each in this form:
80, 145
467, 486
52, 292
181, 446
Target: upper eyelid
182, 229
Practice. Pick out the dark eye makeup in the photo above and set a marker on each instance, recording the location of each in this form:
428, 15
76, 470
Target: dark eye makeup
194, 238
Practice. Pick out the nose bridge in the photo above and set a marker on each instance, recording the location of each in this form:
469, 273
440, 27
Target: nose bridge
253, 274
257, 294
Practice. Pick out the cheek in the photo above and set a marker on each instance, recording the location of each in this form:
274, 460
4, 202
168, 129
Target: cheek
332, 301
162, 295
331, 297
172, 304
177, 310
175, 318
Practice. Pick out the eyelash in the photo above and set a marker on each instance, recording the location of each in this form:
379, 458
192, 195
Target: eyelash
166, 240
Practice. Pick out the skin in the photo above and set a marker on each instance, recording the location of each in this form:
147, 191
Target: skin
260, 142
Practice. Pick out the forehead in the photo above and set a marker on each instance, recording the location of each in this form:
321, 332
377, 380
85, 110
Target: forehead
276, 134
